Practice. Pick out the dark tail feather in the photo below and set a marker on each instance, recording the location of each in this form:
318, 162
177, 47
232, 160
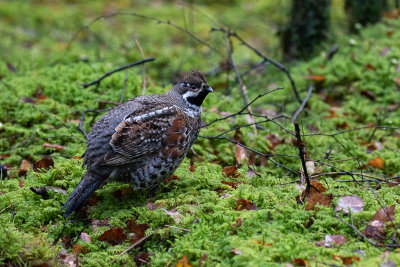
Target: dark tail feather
85, 188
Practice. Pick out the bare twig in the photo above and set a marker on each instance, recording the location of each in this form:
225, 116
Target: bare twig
273, 62
242, 86
137, 243
179, 228
143, 67
302, 155
303, 104
159, 21
97, 82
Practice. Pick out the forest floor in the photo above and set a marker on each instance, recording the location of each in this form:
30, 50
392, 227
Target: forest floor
225, 205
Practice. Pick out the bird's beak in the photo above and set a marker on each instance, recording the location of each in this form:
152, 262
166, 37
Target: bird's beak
207, 88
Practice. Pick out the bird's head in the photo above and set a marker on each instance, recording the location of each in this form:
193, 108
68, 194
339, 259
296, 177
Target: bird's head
193, 88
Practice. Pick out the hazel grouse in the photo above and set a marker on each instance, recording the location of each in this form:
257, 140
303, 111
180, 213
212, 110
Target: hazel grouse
143, 140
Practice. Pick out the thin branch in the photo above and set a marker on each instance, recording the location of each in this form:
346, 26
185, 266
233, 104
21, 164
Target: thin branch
244, 108
159, 21
97, 82
303, 104
242, 86
267, 156
143, 67
137, 243
353, 130
273, 62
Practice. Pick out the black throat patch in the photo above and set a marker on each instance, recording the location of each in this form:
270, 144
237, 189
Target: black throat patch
198, 100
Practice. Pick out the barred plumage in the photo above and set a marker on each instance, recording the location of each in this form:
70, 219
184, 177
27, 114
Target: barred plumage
143, 140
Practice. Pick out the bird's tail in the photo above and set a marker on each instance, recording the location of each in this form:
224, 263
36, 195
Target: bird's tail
86, 187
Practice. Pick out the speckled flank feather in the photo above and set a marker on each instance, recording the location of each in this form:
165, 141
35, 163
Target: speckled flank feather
143, 140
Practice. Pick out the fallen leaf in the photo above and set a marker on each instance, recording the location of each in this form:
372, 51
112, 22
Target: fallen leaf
114, 236
385, 214
238, 222
243, 204
79, 249
174, 214
55, 146
260, 242
240, 153
313, 128
183, 262
332, 241
231, 184
310, 165
93, 200
230, 171
387, 263
300, 262
389, 33
21, 182
43, 164
11, 67
138, 229
171, 178
346, 260
236, 251
316, 78
370, 67
377, 163
192, 167
343, 125
318, 199
375, 230
28, 100
66, 240
354, 203
3, 156
332, 114
24, 167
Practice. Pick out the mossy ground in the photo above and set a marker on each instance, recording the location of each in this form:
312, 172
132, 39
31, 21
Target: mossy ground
358, 90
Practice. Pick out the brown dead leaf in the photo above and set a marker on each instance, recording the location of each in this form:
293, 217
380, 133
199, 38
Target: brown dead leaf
66, 240
332, 114
183, 262
79, 249
138, 229
192, 167
375, 230
93, 200
354, 203
20, 182
370, 67
389, 33
260, 242
234, 185
77, 157
55, 146
299, 262
238, 222
43, 164
230, 171
98, 223
240, 153
243, 204
346, 260
318, 199
114, 236
313, 128
377, 163
385, 214
71, 260
332, 241
3, 156
24, 167
169, 179
316, 78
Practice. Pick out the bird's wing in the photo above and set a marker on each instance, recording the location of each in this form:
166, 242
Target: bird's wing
139, 136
